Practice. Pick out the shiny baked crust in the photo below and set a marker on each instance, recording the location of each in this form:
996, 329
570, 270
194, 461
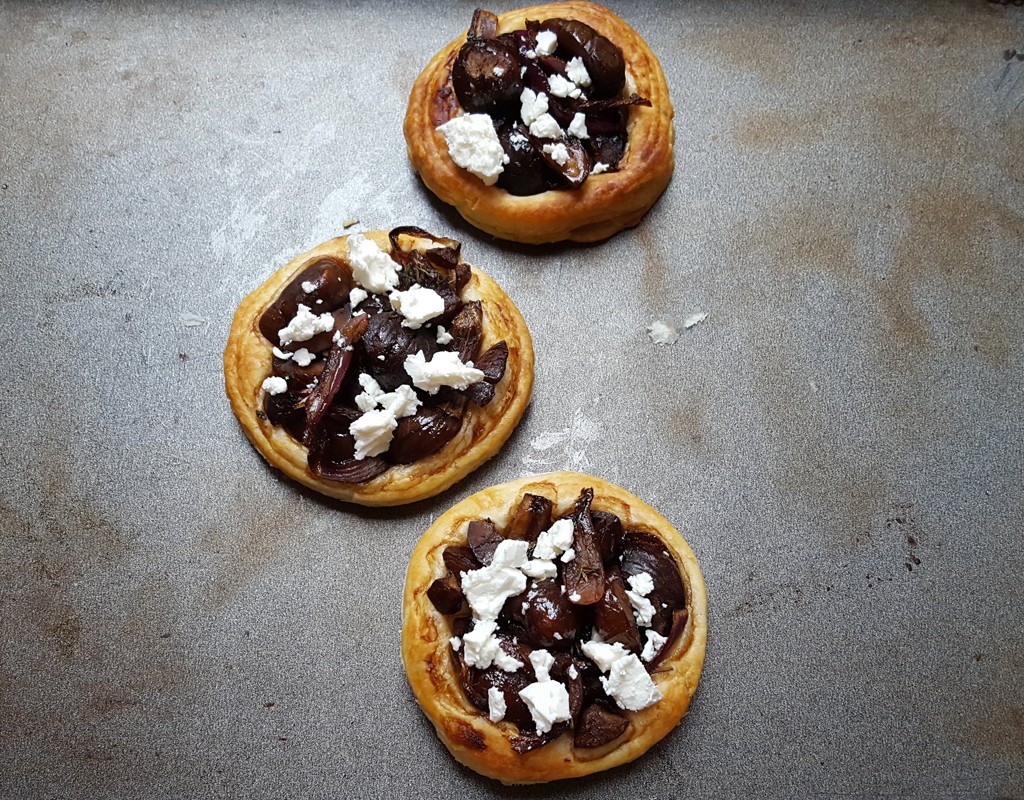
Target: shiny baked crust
467, 732
605, 203
247, 362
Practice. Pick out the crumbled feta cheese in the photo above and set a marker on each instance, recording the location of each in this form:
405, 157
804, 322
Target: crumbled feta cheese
357, 295
655, 641
418, 305
546, 127
488, 588
303, 357
532, 105
402, 402
548, 703
456, 643
474, 146
547, 42
275, 385
443, 337
367, 399
282, 354
444, 369
517, 138
542, 661
568, 556
524, 607
495, 700
662, 333
498, 72
561, 87
308, 286
540, 569
372, 268
627, 682
373, 432
604, 654
576, 70
530, 53
694, 318
630, 685
305, 325
599, 167
574, 597
640, 585
558, 152
578, 128
572, 672
481, 648
555, 540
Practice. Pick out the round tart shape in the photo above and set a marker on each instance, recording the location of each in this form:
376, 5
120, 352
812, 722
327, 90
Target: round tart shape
605, 203
249, 358
434, 668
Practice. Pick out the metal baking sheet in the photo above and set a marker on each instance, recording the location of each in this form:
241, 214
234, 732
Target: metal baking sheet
840, 439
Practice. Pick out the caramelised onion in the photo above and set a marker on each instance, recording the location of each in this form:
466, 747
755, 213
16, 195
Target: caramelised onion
602, 58
645, 552
527, 170
483, 538
476, 682
613, 615
584, 575
551, 621
387, 344
532, 515
332, 451
467, 330
575, 168
597, 726
422, 434
486, 76
459, 558
331, 280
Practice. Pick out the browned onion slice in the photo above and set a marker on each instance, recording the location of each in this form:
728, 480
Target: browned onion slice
598, 726
551, 621
322, 395
532, 515
332, 282
584, 575
422, 434
467, 330
446, 595
484, 25
485, 76
613, 616
459, 558
645, 552
483, 538
602, 58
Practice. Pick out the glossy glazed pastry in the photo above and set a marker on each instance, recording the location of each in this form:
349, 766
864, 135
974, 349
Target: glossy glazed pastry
553, 627
544, 124
379, 368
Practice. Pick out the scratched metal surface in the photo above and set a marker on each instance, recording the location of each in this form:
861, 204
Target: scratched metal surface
840, 440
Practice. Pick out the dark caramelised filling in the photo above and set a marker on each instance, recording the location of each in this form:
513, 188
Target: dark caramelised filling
319, 405
586, 600
489, 76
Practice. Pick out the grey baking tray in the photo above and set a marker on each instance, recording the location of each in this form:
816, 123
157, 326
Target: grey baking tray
840, 440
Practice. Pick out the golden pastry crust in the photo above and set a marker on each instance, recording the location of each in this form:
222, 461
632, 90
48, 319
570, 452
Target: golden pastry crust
605, 203
248, 358
467, 732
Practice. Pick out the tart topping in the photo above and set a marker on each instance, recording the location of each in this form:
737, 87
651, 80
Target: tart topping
557, 624
543, 106
388, 383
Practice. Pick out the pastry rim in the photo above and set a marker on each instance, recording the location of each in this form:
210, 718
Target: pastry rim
605, 204
248, 357
466, 731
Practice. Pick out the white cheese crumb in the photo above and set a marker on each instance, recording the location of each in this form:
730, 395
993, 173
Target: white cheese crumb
444, 369
530, 53
546, 127
555, 540
643, 609
662, 333
373, 432
532, 105
630, 685
578, 127
577, 72
694, 318
473, 144
456, 643
372, 268
417, 305
275, 385
547, 42
349, 222
498, 72
282, 354
190, 320
357, 295
572, 672
574, 597
402, 402
495, 700
488, 588
303, 357
443, 337
481, 648
524, 607
308, 286
655, 641
542, 661
642, 583
599, 167
367, 399
540, 569
562, 87
568, 556
548, 703
604, 654
558, 152
305, 325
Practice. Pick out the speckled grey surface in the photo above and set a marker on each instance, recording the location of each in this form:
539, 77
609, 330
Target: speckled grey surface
840, 440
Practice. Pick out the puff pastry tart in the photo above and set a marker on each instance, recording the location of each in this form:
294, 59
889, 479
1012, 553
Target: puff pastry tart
553, 627
379, 368
544, 124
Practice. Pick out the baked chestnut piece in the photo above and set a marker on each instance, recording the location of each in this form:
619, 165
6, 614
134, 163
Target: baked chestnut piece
379, 368
547, 123
525, 676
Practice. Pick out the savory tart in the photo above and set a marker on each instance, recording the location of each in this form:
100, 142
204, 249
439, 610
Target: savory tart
379, 368
553, 627
544, 124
